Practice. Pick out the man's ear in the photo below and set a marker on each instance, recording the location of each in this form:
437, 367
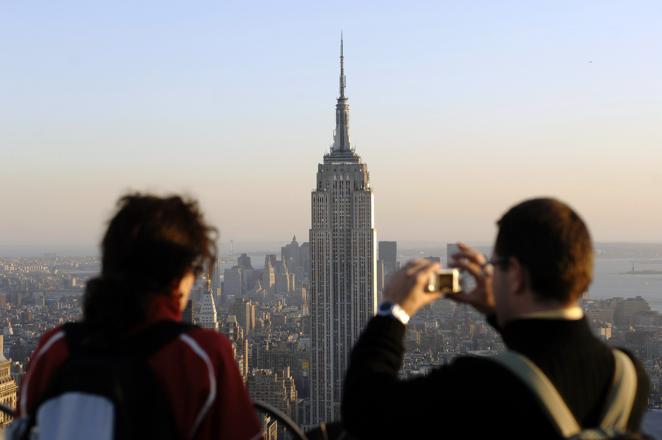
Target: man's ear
518, 276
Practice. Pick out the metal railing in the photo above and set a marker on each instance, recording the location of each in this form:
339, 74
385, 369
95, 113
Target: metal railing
281, 417
264, 407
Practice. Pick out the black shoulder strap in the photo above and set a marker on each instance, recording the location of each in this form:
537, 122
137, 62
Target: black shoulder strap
141, 343
153, 338
84, 343
75, 333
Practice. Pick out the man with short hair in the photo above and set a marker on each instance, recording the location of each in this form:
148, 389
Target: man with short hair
542, 263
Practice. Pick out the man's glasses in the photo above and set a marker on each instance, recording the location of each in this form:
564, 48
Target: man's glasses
488, 266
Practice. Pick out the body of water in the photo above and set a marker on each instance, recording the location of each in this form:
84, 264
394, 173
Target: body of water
611, 279
610, 275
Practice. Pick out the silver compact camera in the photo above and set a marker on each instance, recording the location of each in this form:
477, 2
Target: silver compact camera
446, 281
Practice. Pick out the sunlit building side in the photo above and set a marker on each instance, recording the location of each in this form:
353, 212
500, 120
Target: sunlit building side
343, 264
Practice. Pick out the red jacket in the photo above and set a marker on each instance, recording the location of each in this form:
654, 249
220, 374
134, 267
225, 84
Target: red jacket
197, 371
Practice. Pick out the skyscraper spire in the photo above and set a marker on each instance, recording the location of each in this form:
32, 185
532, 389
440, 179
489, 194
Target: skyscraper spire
342, 260
342, 69
341, 135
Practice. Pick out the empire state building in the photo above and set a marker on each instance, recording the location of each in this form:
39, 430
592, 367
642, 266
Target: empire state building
343, 263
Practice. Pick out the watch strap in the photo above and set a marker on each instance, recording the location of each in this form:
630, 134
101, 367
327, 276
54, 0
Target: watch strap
394, 311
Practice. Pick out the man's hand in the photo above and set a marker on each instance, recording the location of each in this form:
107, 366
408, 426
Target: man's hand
407, 287
481, 297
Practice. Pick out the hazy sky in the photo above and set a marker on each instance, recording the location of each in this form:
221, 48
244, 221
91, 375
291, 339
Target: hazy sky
460, 109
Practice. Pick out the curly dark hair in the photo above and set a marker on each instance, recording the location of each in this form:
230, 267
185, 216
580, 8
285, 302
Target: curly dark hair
151, 242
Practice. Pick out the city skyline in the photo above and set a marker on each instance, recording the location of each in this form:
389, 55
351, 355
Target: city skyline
229, 103
461, 110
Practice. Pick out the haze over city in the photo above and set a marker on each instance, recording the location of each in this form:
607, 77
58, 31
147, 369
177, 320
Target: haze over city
343, 150
460, 110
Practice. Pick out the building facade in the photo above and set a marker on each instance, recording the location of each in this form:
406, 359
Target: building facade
387, 263
204, 309
8, 386
388, 253
275, 388
343, 264
297, 259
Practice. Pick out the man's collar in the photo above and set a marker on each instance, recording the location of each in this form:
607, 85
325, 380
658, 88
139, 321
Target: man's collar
567, 313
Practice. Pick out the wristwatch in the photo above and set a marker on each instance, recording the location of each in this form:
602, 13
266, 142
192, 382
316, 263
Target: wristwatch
387, 308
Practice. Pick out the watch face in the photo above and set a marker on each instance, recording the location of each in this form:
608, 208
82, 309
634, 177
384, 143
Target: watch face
385, 307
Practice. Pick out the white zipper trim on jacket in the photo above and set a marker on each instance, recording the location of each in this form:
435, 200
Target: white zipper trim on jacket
212, 381
24, 389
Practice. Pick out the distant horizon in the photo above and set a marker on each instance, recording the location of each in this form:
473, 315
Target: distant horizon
611, 279
257, 247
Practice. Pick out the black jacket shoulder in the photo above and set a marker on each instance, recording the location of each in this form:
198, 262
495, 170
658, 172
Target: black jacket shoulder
475, 397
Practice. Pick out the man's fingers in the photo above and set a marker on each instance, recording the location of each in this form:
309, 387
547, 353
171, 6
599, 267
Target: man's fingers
474, 269
470, 254
474, 258
414, 266
421, 270
425, 272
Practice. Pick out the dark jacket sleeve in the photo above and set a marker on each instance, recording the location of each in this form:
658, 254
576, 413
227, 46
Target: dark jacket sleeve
492, 321
376, 404
371, 381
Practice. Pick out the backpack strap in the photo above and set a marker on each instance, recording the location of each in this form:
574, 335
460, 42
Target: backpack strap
549, 398
75, 333
142, 343
617, 407
122, 357
620, 400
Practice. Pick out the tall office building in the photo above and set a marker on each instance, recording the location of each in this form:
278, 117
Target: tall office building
343, 264
297, 259
387, 262
204, 309
388, 252
8, 386
215, 277
233, 281
276, 388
